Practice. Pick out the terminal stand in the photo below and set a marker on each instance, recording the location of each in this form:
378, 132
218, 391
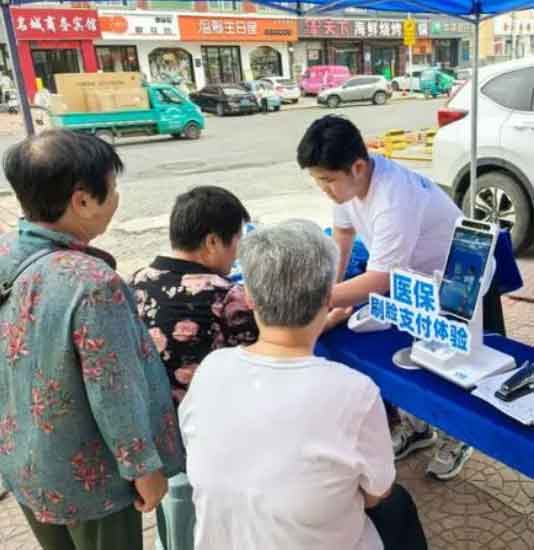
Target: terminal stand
462, 369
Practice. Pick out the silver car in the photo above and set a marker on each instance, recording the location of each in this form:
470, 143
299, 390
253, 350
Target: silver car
373, 88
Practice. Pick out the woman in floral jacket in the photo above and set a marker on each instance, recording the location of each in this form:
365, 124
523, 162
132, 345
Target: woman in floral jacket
187, 302
88, 433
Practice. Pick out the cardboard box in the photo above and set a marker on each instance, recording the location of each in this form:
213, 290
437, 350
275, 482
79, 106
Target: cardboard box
100, 101
135, 98
57, 105
74, 86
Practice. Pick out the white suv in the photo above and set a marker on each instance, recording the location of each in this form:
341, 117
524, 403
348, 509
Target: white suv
505, 148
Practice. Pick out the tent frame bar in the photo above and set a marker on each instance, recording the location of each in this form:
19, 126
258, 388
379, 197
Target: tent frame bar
17, 70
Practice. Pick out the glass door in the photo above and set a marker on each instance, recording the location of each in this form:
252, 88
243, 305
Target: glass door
48, 63
222, 64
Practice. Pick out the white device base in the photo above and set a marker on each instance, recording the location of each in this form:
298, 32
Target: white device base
463, 370
361, 321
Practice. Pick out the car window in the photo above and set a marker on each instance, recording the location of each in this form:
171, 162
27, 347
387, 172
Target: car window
353, 82
286, 82
168, 96
416, 74
247, 85
209, 90
514, 90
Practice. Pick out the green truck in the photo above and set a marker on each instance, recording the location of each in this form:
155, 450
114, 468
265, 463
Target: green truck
171, 112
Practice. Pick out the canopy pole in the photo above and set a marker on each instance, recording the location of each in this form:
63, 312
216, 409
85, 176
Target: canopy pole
474, 119
17, 71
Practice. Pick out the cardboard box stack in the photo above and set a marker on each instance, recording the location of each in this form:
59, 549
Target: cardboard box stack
101, 92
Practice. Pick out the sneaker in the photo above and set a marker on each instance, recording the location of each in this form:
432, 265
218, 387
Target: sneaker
449, 458
406, 440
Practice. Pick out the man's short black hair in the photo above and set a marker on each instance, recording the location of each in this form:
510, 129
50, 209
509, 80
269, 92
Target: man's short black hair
333, 143
45, 170
203, 210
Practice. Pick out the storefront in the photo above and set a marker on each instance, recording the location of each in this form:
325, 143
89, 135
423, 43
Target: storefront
450, 42
230, 49
365, 46
143, 41
52, 41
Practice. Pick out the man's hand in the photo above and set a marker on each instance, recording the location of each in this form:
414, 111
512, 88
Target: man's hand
151, 490
337, 316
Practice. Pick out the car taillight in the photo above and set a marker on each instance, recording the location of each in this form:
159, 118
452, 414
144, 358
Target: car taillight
448, 116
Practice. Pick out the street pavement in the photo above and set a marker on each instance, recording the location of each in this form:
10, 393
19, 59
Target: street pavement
488, 506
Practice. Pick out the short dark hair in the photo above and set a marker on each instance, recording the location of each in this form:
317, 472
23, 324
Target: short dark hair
45, 171
333, 143
203, 210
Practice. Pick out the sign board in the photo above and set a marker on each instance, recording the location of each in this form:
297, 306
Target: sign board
236, 29
139, 26
315, 27
55, 24
414, 308
409, 32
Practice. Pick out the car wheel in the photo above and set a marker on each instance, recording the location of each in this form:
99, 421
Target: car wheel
333, 101
500, 198
277, 108
220, 109
192, 131
380, 98
106, 135
295, 101
395, 86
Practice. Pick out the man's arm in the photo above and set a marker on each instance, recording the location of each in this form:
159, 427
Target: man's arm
344, 238
356, 290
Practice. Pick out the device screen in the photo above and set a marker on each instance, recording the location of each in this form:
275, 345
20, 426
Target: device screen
460, 286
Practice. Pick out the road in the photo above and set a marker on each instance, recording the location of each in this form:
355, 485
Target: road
253, 156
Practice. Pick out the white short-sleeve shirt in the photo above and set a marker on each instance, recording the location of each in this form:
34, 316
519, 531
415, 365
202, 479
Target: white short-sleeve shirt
277, 453
405, 220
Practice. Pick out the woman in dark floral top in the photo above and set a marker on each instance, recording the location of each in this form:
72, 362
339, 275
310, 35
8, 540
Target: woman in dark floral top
188, 304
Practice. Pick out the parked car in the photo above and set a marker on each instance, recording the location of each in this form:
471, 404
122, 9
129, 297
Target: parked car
285, 88
402, 83
373, 88
223, 99
320, 77
253, 86
461, 77
505, 190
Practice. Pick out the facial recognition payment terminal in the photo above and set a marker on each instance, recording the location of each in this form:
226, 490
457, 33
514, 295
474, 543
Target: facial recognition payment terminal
468, 273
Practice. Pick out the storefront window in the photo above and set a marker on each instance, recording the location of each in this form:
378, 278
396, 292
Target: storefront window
222, 64
171, 64
114, 59
223, 5
48, 63
265, 61
385, 61
349, 55
315, 57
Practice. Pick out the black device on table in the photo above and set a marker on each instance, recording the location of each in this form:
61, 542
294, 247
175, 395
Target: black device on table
521, 383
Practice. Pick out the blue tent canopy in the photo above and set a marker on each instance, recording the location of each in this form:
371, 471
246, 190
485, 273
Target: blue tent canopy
458, 8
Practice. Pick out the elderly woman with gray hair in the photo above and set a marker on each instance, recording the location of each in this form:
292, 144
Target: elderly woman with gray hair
287, 451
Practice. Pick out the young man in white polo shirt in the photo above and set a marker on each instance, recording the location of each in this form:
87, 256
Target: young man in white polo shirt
404, 220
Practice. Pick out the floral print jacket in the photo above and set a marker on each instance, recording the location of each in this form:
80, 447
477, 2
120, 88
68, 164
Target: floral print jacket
190, 311
85, 405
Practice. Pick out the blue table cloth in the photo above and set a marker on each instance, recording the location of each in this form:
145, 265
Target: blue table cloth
432, 398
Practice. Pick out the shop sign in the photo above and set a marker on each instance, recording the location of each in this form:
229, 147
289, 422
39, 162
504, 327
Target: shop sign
414, 308
317, 27
55, 24
236, 29
409, 31
449, 28
143, 26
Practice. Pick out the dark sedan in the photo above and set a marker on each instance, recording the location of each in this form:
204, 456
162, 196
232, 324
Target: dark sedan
224, 99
